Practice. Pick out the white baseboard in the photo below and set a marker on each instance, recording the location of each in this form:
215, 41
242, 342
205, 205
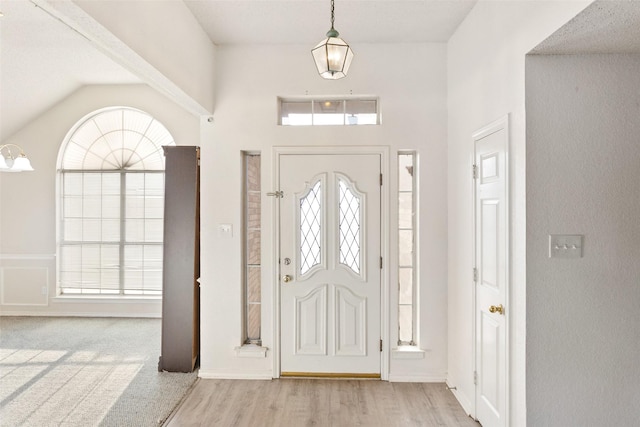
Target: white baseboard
464, 401
233, 376
5, 313
417, 378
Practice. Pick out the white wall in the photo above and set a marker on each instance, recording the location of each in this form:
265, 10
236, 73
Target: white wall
486, 69
248, 80
583, 175
167, 36
28, 201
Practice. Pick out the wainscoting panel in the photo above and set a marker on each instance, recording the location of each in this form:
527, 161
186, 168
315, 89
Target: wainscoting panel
28, 288
25, 280
24, 286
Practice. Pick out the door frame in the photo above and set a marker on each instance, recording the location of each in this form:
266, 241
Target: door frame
383, 152
500, 124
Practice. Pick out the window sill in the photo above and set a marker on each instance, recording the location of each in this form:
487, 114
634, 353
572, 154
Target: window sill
251, 351
109, 300
407, 352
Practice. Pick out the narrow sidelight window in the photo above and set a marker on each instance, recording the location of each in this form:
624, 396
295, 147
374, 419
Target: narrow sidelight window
252, 238
406, 248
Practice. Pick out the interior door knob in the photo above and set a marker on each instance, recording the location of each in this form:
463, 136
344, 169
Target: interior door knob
497, 309
286, 278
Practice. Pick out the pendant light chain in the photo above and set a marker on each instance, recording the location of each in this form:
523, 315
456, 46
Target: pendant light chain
332, 14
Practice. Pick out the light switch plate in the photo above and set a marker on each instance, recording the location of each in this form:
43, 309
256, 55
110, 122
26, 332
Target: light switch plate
225, 231
565, 245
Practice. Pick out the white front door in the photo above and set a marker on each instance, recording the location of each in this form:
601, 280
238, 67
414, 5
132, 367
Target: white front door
330, 265
492, 273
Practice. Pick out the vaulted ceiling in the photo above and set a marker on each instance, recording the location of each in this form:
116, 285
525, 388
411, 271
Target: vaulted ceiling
43, 60
307, 21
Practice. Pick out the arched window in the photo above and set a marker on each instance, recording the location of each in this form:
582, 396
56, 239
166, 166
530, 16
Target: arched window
111, 170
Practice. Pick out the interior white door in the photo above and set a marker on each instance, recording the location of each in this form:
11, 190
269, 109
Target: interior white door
492, 264
330, 265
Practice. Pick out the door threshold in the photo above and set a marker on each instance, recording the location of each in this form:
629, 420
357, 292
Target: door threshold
335, 375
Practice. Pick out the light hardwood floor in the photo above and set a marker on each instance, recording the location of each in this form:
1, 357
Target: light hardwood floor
318, 402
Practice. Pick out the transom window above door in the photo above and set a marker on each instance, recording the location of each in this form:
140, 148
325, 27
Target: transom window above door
328, 111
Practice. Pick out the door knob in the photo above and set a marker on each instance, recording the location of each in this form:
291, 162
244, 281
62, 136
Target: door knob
497, 309
286, 278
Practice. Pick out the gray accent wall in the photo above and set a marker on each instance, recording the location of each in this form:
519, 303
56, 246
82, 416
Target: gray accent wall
583, 177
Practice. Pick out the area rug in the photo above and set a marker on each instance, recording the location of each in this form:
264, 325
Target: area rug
85, 372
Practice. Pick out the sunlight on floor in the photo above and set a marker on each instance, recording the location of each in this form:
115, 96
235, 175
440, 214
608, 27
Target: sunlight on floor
50, 387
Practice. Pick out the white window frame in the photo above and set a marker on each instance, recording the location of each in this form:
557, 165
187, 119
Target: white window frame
314, 101
246, 339
414, 260
160, 139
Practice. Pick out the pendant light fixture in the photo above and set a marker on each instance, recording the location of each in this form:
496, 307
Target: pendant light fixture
332, 55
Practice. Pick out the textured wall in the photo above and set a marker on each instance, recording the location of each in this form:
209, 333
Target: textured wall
583, 175
485, 82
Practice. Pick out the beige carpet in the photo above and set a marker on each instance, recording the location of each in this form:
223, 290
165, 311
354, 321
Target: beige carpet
85, 372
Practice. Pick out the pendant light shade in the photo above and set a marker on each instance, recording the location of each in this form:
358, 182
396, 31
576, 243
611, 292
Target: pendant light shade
332, 55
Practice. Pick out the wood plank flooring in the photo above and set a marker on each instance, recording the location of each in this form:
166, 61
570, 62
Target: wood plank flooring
318, 402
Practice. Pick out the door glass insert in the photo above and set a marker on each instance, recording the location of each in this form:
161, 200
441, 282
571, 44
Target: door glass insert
349, 205
310, 228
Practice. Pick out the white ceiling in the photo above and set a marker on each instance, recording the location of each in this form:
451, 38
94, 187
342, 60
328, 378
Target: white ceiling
42, 60
307, 21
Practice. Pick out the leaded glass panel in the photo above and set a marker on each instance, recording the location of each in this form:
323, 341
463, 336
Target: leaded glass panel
349, 206
310, 228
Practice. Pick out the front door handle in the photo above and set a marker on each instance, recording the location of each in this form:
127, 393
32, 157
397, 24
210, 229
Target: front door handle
286, 278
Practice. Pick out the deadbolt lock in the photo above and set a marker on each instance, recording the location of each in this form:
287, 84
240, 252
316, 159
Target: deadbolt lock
497, 309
